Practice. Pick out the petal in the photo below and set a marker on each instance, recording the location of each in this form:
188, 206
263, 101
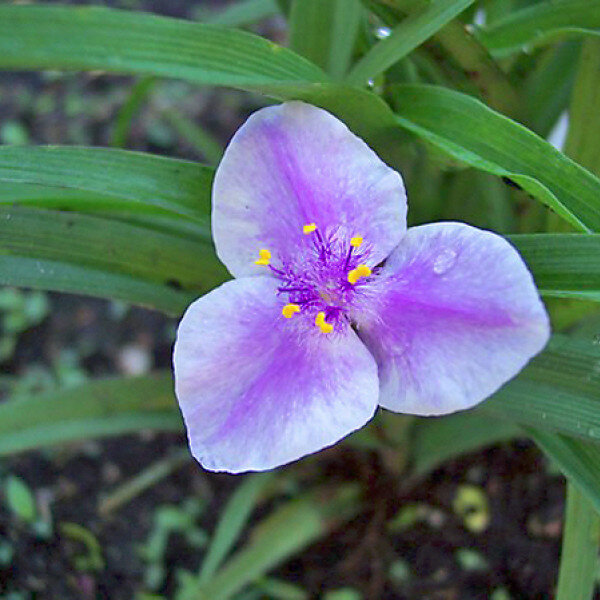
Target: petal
258, 390
292, 165
457, 316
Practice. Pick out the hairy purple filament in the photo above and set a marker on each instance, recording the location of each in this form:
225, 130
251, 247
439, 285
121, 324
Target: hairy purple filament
317, 280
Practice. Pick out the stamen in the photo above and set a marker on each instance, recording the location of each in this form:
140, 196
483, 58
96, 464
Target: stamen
322, 324
309, 228
356, 274
289, 310
265, 257
355, 242
294, 289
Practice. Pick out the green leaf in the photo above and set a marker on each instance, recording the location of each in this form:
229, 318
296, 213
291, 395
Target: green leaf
437, 440
496, 9
324, 31
137, 96
285, 6
474, 197
36, 37
492, 82
278, 589
578, 460
563, 265
542, 23
464, 49
103, 243
143, 480
583, 140
557, 391
88, 254
87, 179
244, 12
548, 87
232, 521
468, 130
95, 409
58, 276
19, 499
198, 137
579, 555
407, 36
286, 531
61, 37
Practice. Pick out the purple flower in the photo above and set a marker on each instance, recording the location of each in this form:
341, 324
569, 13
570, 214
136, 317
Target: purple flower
337, 308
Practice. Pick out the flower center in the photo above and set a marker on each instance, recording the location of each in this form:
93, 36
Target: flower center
323, 278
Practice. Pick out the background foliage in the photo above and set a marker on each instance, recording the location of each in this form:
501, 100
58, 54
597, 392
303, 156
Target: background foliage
458, 95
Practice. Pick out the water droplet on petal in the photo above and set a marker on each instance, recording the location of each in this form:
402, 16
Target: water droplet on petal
444, 261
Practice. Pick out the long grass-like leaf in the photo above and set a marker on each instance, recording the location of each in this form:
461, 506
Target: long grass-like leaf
324, 31
408, 35
88, 254
110, 180
286, 531
62, 37
469, 131
558, 391
579, 556
232, 521
578, 460
542, 23
564, 265
94, 409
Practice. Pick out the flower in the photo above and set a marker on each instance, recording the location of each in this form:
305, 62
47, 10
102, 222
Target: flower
338, 308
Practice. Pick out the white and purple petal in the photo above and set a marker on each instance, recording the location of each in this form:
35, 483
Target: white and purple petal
292, 165
452, 317
258, 390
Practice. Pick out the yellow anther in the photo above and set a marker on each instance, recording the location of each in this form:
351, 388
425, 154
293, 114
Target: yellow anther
322, 324
289, 310
355, 242
309, 228
265, 258
355, 274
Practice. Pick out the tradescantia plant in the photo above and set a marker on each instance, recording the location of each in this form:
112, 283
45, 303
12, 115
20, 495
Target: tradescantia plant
457, 95
426, 321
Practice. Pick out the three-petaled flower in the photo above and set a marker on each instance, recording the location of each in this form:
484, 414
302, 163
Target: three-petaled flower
338, 308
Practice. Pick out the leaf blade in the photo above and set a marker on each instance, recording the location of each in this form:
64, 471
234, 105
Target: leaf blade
581, 537
542, 23
437, 440
578, 460
105, 178
95, 409
232, 520
61, 37
466, 129
324, 32
557, 391
88, 254
563, 265
287, 530
56, 276
405, 37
